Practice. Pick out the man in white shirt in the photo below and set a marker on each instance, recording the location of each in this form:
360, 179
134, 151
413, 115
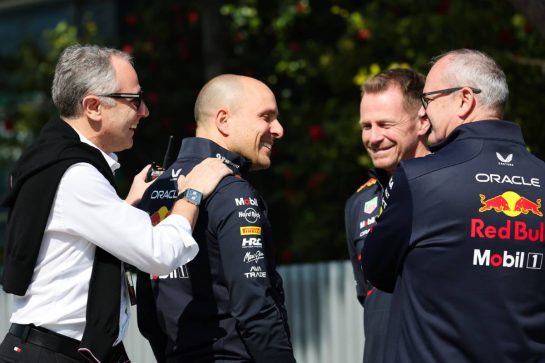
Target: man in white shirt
68, 230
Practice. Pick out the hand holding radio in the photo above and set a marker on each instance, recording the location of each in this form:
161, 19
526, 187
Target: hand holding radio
156, 170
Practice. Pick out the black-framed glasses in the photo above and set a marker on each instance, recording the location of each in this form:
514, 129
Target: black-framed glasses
447, 91
135, 98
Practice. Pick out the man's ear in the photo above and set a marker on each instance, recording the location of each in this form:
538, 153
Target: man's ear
222, 121
92, 108
423, 125
466, 103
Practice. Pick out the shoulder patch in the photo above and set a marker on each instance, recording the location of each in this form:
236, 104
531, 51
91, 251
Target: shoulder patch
368, 183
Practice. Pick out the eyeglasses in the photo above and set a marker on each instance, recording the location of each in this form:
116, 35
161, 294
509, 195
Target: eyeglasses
447, 91
135, 98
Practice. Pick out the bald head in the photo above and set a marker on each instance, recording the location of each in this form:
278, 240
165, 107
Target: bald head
240, 114
224, 91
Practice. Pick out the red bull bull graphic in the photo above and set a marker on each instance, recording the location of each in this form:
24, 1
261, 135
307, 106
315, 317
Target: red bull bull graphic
511, 204
498, 203
524, 206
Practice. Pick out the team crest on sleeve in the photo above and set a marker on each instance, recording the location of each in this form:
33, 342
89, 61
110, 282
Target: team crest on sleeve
370, 205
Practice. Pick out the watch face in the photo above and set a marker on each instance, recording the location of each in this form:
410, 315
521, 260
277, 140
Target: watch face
193, 196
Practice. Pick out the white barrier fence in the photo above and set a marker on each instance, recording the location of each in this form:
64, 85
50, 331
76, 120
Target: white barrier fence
325, 318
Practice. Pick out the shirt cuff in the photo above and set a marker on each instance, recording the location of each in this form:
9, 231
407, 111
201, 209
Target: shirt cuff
183, 227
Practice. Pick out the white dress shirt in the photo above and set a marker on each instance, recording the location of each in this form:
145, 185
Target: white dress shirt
86, 213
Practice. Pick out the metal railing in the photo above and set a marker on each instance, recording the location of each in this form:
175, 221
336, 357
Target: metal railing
325, 317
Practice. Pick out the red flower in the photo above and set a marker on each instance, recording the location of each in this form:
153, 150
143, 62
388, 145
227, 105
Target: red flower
167, 123
131, 20
152, 97
364, 34
287, 256
300, 8
183, 50
193, 17
443, 7
294, 46
8, 124
316, 180
506, 36
289, 174
316, 132
239, 37
127, 48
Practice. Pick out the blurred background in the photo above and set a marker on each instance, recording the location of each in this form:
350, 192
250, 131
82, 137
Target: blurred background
313, 54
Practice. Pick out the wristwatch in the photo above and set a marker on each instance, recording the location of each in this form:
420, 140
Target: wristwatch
191, 195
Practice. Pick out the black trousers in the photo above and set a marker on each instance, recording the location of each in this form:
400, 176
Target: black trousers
30, 344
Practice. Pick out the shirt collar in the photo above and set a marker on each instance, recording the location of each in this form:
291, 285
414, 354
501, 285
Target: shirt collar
203, 148
111, 159
381, 175
485, 129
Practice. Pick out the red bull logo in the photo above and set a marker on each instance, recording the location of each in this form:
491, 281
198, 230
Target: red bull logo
524, 206
511, 204
511, 230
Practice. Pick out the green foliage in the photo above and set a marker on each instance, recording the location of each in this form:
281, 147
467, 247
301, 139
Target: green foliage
25, 104
315, 54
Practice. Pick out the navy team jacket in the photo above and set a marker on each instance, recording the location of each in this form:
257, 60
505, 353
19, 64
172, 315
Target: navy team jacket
461, 239
361, 211
228, 303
